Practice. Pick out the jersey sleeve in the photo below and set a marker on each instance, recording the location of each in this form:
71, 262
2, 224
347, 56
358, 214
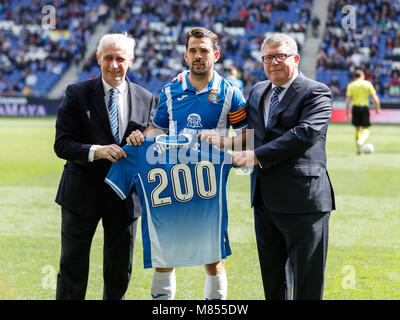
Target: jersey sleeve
348, 91
161, 119
237, 115
372, 90
121, 175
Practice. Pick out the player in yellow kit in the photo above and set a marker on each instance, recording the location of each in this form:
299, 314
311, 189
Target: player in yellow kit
358, 92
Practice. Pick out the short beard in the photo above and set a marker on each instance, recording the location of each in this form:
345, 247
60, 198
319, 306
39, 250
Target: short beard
200, 73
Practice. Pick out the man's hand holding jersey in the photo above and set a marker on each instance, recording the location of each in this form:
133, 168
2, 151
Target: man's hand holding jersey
135, 138
246, 158
111, 152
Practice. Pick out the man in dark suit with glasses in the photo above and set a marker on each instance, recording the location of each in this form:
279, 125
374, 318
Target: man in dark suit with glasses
290, 188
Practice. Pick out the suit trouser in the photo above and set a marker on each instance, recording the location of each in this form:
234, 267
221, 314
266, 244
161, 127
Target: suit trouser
76, 237
292, 250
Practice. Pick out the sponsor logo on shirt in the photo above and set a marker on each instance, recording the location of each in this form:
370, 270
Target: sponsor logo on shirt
194, 121
182, 97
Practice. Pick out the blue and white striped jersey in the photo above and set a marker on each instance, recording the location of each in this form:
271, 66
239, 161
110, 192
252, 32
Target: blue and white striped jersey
183, 109
182, 189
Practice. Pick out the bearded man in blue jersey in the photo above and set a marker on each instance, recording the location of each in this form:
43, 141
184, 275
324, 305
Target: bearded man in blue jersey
206, 104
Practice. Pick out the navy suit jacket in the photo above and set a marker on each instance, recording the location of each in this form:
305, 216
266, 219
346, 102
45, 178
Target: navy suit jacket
82, 121
292, 175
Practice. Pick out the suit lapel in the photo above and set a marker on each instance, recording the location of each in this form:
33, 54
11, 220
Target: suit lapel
133, 100
133, 103
138, 106
261, 102
100, 106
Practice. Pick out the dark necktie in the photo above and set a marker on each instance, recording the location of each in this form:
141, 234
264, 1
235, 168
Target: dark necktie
113, 113
274, 101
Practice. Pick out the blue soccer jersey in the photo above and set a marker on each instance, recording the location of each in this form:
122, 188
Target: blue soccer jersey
183, 109
182, 188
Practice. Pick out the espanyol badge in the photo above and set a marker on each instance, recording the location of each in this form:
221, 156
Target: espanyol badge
194, 121
212, 97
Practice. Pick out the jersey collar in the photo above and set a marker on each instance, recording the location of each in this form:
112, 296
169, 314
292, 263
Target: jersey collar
212, 85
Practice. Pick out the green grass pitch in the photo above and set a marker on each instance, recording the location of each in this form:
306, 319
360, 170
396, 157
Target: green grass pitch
363, 255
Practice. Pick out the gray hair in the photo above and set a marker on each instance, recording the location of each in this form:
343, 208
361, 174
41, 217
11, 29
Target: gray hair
123, 38
278, 39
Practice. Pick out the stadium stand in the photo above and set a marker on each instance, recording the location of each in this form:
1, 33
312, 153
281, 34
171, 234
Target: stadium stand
32, 59
159, 28
374, 46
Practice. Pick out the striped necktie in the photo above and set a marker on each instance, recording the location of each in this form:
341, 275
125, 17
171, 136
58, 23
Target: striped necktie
113, 113
274, 101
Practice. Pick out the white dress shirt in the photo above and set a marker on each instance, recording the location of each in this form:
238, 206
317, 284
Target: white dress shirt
123, 112
268, 96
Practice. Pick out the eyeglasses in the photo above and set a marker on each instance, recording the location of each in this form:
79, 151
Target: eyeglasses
280, 57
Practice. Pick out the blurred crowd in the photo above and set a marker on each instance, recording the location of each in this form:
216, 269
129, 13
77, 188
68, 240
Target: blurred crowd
373, 45
32, 58
30, 55
159, 27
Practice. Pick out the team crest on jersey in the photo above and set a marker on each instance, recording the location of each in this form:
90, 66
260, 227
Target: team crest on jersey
194, 121
212, 97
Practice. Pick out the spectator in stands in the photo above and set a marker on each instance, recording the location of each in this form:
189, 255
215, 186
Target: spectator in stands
248, 85
394, 89
335, 87
356, 58
278, 25
30, 79
279, 5
27, 91
103, 13
265, 15
321, 56
305, 11
249, 65
385, 91
233, 77
15, 89
368, 75
3, 84
315, 26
